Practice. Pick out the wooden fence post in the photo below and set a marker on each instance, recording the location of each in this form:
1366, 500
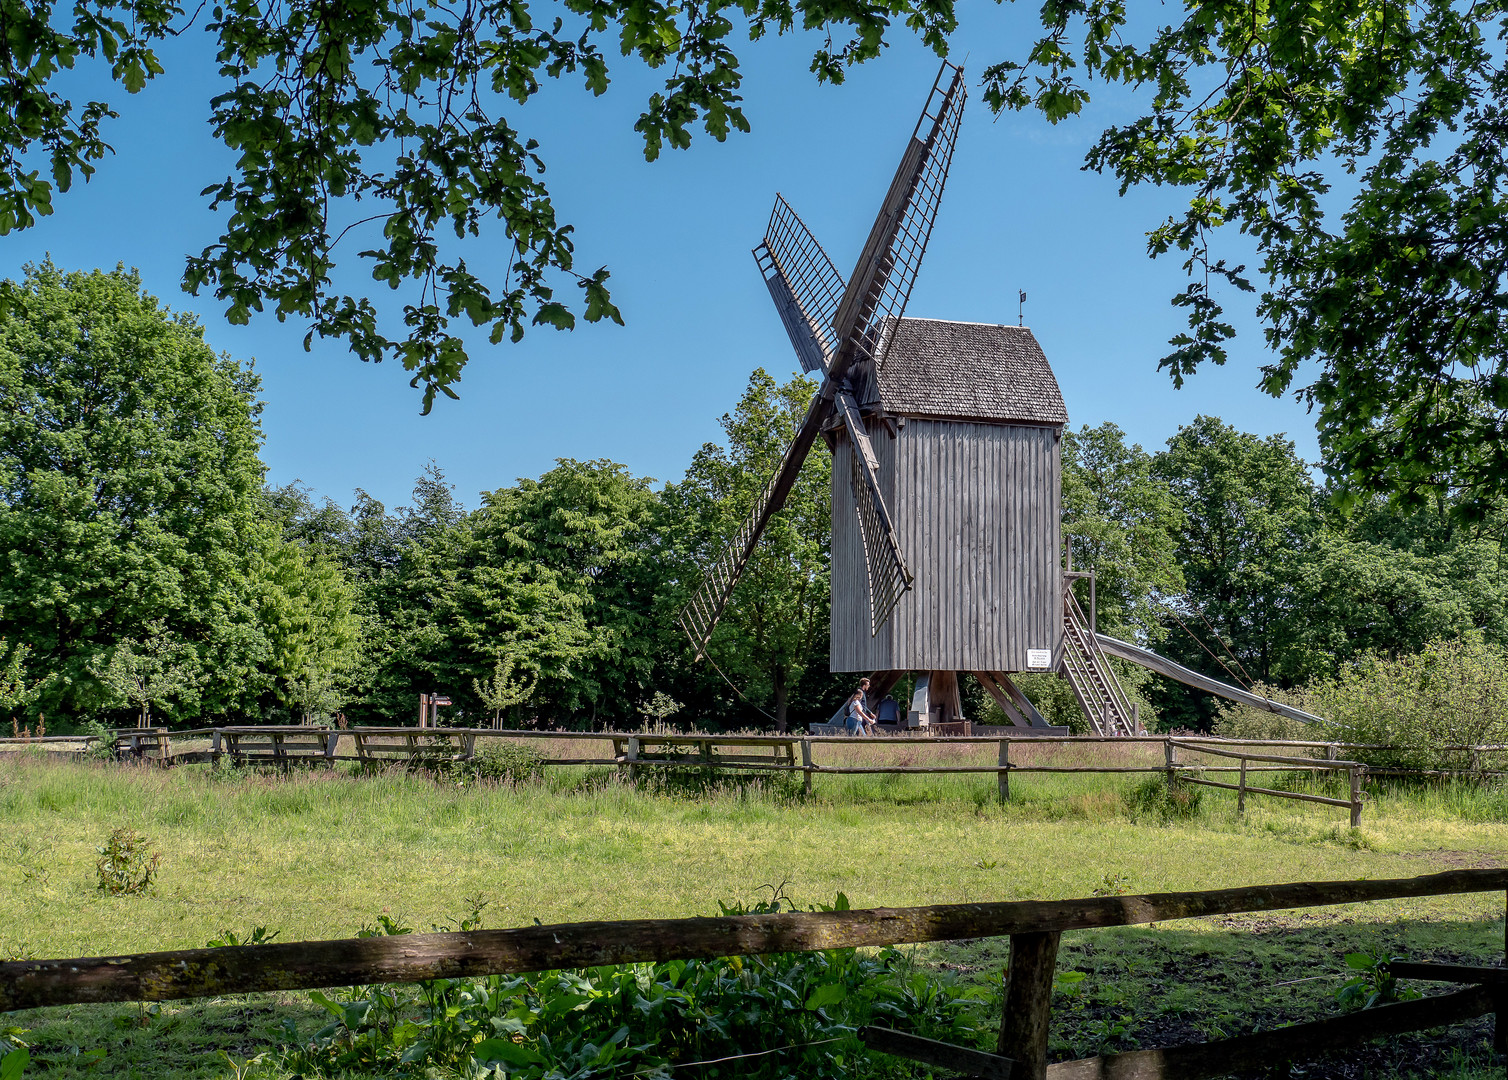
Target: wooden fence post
214, 746
1028, 1002
1355, 771
1241, 790
1170, 757
630, 756
806, 763
332, 742
1004, 776
1500, 1018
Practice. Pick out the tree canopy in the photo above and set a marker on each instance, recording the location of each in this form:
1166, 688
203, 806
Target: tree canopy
1355, 144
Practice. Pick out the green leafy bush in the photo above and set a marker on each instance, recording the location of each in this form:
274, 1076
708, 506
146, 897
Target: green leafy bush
127, 865
1246, 722
506, 762
103, 746
1453, 694
790, 1014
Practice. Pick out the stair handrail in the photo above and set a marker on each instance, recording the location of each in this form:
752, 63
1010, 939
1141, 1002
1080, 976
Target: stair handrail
1120, 701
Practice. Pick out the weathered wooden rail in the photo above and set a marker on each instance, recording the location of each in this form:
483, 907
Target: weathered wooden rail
1034, 928
630, 752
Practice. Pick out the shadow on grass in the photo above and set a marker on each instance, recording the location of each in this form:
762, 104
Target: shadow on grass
1130, 988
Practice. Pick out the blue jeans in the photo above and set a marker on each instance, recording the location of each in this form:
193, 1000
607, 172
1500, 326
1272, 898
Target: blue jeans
853, 725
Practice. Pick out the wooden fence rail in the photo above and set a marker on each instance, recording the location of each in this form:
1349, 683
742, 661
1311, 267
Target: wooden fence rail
1034, 927
629, 752
1242, 789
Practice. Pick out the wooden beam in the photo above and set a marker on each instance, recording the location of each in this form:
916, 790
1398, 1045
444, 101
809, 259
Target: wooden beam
1457, 973
1267, 1048
1006, 705
1163, 666
164, 976
1027, 1012
1022, 701
943, 1055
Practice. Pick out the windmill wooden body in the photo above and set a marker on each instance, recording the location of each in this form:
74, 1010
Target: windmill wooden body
969, 467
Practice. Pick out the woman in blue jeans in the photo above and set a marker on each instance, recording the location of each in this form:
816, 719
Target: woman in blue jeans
856, 719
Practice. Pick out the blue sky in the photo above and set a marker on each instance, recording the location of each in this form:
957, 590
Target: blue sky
1018, 214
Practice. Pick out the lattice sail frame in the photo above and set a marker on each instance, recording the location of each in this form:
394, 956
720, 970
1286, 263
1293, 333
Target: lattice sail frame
875, 295
805, 284
889, 579
944, 109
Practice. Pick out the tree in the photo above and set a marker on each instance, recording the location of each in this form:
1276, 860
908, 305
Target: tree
306, 611
776, 626
394, 116
1248, 508
16, 692
556, 573
502, 691
1121, 520
129, 492
1359, 145
148, 672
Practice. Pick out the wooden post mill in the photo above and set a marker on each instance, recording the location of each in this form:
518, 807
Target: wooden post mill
947, 547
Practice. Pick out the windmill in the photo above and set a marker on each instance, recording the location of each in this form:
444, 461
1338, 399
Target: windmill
837, 328
946, 533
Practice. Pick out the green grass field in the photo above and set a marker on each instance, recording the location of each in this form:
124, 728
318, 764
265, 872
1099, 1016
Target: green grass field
323, 853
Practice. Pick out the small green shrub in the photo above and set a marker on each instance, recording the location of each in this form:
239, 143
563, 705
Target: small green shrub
1152, 799
1373, 984
506, 763
103, 746
127, 866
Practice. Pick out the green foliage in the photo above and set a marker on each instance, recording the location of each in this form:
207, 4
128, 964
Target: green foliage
502, 691
639, 1018
556, 574
1154, 799
127, 865
1245, 722
228, 939
658, 709
776, 625
506, 762
1419, 706
1373, 984
147, 673
102, 746
1121, 519
1280, 593
395, 123
1357, 145
128, 480
306, 610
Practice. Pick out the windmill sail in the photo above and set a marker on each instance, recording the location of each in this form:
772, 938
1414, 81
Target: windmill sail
802, 282
886, 567
805, 284
881, 283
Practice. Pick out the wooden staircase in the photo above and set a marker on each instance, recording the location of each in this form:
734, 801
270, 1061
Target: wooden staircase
1088, 671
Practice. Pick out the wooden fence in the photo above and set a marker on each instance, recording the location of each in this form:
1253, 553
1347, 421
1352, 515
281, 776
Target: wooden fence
629, 752
1033, 926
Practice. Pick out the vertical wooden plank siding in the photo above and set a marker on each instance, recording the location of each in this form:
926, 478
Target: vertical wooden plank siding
976, 509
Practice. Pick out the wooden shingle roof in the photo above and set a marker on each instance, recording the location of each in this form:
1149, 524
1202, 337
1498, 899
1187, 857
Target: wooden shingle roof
969, 371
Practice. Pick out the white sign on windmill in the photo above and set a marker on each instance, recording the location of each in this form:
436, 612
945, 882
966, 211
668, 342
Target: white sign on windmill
1038, 659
